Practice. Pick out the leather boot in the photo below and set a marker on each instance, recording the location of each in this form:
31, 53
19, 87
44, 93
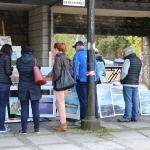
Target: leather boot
61, 127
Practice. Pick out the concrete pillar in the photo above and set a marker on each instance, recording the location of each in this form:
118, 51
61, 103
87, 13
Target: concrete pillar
39, 33
146, 61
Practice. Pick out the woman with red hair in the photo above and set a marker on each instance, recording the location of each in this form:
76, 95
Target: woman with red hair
60, 59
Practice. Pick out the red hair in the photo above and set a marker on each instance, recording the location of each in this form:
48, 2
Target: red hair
61, 47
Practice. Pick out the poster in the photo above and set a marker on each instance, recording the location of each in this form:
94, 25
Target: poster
5, 40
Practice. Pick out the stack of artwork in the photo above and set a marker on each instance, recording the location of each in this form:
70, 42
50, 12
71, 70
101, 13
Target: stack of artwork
111, 101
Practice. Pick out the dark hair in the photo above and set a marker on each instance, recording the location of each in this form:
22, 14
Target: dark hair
61, 47
26, 49
6, 49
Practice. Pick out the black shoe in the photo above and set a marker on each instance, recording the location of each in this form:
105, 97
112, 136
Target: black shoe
37, 131
23, 132
123, 120
134, 120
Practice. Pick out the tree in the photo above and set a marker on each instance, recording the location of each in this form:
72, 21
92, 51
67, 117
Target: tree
69, 40
135, 43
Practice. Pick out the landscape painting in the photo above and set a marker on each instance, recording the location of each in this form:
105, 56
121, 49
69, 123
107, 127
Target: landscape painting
46, 106
119, 105
117, 89
105, 100
144, 102
102, 72
14, 105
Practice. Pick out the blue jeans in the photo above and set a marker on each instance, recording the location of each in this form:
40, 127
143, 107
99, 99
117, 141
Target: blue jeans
25, 112
4, 96
130, 95
81, 89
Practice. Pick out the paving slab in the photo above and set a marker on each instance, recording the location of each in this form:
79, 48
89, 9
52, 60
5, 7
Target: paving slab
145, 132
106, 145
111, 126
10, 142
5, 134
60, 147
47, 139
135, 124
85, 138
128, 135
19, 148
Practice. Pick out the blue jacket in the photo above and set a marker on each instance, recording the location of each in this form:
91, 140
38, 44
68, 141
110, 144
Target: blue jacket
80, 66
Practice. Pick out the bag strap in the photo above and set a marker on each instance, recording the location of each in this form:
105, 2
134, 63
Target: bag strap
63, 65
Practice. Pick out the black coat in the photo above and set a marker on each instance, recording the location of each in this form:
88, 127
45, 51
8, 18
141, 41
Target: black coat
25, 66
5, 68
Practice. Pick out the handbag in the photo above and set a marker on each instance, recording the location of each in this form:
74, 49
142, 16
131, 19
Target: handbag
65, 81
38, 77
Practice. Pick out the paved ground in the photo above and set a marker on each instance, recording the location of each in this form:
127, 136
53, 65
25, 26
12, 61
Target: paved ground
112, 136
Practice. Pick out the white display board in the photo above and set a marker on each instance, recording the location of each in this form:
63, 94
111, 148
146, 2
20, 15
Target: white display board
5, 40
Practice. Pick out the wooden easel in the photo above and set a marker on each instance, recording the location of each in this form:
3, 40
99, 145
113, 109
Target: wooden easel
3, 28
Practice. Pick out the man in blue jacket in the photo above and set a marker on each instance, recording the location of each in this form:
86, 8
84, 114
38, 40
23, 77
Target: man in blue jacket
80, 76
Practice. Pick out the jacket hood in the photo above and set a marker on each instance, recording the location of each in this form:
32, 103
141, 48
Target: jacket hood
25, 58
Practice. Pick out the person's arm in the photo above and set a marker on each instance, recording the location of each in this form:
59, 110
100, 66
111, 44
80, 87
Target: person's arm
75, 67
140, 76
125, 68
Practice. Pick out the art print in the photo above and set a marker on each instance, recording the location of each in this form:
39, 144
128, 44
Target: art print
105, 100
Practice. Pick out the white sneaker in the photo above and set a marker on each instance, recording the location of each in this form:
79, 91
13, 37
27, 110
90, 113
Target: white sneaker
78, 123
6, 130
6, 125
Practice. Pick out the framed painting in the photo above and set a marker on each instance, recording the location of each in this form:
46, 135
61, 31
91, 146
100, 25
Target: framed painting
72, 106
14, 105
47, 106
118, 89
105, 101
119, 105
144, 97
102, 72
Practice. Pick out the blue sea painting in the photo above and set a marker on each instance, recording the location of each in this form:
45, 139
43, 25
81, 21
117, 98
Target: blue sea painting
119, 105
70, 99
145, 102
102, 72
14, 55
71, 109
46, 106
105, 100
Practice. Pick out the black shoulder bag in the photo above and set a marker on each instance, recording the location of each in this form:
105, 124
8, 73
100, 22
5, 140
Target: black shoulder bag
65, 81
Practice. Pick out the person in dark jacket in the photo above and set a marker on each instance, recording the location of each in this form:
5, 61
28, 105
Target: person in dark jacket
27, 88
5, 82
60, 58
98, 57
129, 78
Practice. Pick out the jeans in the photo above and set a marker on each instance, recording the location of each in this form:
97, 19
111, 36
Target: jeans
130, 95
25, 112
4, 95
81, 89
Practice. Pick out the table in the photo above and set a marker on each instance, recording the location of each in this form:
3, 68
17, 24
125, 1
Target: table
116, 70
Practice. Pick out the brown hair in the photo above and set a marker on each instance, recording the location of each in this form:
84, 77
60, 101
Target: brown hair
6, 49
61, 47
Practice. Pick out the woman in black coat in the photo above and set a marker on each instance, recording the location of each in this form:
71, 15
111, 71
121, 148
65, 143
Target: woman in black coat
5, 82
27, 88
